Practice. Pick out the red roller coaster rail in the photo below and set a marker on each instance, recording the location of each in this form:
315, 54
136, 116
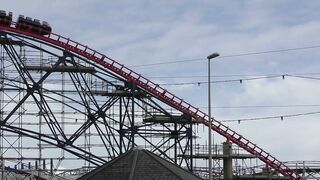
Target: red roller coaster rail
162, 94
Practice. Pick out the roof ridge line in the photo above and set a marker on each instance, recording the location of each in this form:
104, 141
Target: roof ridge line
155, 157
134, 164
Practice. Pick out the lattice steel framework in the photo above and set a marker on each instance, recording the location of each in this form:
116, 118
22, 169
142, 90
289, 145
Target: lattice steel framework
71, 103
62, 100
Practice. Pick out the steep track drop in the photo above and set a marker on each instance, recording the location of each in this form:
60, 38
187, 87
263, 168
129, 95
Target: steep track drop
162, 94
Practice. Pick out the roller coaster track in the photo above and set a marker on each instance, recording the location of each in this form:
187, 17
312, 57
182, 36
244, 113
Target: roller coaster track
162, 94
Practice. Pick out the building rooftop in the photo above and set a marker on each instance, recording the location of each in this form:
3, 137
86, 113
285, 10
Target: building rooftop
138, 164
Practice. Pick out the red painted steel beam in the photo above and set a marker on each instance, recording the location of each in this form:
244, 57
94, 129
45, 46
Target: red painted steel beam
162, 94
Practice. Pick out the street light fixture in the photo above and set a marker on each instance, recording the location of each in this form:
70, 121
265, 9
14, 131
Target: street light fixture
211, 56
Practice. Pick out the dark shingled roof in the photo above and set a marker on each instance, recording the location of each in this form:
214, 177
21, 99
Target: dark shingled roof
139, 164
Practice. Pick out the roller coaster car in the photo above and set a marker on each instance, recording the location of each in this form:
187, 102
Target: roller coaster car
33, 26
5, 19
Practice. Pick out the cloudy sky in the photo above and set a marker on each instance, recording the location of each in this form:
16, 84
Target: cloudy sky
168, 41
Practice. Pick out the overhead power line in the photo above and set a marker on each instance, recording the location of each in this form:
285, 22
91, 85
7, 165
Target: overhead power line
222, 81
241, 80
272, 51
234, 75
305, 77
281, 117
229, 56
266, 106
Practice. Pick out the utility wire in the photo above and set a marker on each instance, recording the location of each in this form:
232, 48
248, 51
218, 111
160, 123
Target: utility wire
233, 75
270, 117
229, 56
265, 106
242, 80
305, 77
168, 62
222, 81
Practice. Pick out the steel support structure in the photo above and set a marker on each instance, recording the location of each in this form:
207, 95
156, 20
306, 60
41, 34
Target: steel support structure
113, 102
80, 109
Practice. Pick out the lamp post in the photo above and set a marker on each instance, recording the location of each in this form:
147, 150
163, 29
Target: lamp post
211, 56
